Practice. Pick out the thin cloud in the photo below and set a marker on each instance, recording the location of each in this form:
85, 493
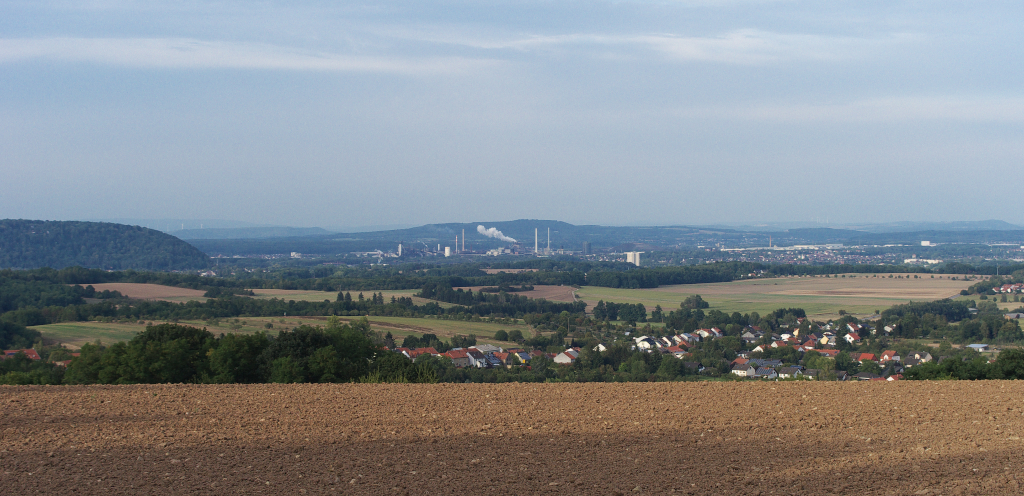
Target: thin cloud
877, 110
739, 47
185, 53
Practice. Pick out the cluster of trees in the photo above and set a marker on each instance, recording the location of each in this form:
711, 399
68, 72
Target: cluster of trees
176, 353
960, 321
30, 244
631, 313
500, 303
971, 366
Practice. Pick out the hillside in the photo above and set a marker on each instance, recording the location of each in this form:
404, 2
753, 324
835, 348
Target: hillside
29, 244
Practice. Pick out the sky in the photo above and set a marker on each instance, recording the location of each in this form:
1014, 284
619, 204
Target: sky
334, 114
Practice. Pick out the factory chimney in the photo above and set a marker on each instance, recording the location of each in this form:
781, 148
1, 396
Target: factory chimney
548, 250
463, 240
536, 245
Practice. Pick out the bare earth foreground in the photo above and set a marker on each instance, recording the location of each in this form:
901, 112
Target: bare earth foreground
699, 438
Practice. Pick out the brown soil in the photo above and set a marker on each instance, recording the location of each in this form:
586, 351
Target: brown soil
694, 438
551, 293
149, 291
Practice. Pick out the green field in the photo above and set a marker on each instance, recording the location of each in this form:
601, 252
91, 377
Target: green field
821, 298
75, 334
297, 295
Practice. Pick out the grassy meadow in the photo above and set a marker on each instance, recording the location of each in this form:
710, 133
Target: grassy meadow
820, 297
75, 334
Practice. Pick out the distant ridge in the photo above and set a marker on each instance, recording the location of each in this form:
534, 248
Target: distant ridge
571, 237
248, 232
30, 244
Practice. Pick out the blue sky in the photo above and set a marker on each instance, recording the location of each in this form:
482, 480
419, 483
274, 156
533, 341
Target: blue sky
632, 112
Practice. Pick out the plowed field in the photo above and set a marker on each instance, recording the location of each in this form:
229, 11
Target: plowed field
694, 438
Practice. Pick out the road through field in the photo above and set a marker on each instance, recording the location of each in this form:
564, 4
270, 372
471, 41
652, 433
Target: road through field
941, 437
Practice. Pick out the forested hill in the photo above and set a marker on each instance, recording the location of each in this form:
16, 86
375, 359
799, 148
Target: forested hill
29, 244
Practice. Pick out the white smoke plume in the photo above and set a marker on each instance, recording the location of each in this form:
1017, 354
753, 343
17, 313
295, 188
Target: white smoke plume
494, 233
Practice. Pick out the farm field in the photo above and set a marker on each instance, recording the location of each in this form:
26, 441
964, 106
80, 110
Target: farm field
152, 291
303, 295
181, 295
551, 293
821, 297
924, 438
75, 334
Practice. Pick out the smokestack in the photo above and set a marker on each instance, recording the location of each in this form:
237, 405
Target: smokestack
536, 244
456, 243
463, 240
548, 251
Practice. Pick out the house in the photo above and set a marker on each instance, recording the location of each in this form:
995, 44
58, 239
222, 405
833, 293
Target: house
865, 376
842, 375
493, 361
486, 348
567, 357
421, 351
810, 344
765, 362
854, 328
600, 347
743, 370
852, 338
923, 356
828, 353
459, 357
978, 347
523, 357
889, 356
789, 372
645, 343
476, 359
696, 366
910, 362
860, 357
766, 373
505, 358
894, 377
812, 374
675, 351
29, 352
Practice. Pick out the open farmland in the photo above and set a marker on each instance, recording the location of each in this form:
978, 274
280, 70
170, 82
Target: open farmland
179, 295
942, 437
75, 334
821, 297
143, 291
550, 293
304, 295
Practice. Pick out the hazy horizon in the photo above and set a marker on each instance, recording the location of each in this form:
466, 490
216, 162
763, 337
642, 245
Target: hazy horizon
393, 113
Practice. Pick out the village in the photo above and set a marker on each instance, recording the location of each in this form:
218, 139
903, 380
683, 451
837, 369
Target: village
751, 364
